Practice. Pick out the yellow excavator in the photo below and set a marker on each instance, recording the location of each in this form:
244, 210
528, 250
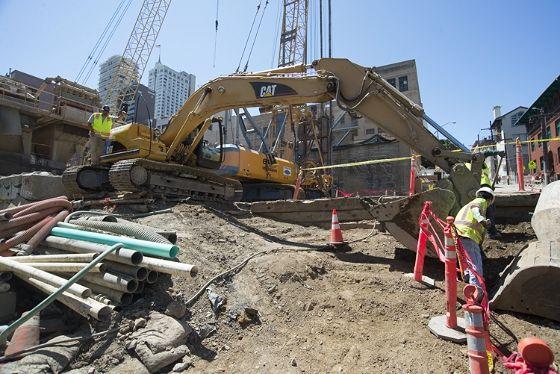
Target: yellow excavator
179, 162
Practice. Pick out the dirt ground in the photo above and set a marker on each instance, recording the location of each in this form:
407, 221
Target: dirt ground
318, 311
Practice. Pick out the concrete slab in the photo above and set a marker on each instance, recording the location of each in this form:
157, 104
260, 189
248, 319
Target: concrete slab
31, 186
546, 218
438, 328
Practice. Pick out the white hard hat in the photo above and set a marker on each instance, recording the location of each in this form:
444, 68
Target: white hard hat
488, 190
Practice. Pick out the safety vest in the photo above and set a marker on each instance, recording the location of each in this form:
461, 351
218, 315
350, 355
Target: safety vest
467, 226
484, 175
101, 125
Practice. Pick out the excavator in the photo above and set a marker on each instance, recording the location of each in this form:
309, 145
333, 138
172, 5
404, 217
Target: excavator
178, 162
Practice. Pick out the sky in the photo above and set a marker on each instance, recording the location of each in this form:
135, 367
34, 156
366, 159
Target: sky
470, 55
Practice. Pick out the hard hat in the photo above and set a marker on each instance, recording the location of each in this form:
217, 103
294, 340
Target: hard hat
486, 190
106, 108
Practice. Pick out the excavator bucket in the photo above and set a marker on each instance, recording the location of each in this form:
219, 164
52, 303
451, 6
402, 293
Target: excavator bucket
400, 217
529, 283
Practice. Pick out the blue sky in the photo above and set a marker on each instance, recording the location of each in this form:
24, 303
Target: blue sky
470, 55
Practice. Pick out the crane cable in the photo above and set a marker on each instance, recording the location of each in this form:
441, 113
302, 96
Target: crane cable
107, 40
249, 36
98, 42
216, 35
255, 39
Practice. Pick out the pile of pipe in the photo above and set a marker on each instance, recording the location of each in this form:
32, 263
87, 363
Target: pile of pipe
28, 225
117, 281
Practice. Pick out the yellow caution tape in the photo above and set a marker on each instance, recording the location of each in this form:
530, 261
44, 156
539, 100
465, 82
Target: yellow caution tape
384, 160
359, 163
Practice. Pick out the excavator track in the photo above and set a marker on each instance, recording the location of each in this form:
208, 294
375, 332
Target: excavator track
172, 179
85, 180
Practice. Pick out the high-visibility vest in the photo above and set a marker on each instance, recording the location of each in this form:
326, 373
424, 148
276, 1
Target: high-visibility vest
484, 175
467, 226
101, 125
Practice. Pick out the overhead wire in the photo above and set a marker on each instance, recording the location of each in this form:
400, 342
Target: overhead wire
255, 39
98, 42
249, 36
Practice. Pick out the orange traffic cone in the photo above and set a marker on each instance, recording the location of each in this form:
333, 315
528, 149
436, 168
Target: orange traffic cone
336, 233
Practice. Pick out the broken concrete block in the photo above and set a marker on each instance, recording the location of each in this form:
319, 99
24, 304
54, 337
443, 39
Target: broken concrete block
161, 342
31, 186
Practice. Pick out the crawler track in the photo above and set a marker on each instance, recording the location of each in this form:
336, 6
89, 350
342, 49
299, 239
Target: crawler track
172, 180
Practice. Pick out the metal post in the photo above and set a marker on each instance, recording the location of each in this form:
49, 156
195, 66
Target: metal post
545, 150
519, 156
412, 182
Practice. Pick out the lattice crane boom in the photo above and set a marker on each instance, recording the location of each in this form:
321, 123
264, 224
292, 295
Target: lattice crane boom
129, 71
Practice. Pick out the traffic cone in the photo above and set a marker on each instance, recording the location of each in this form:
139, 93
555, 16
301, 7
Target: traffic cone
336, 233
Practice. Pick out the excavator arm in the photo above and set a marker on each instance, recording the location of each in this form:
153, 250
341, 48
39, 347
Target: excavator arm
352, 86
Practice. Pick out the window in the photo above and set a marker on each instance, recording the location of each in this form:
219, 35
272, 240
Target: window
557, 127
547, 132
403, 83
370, 131
558, 154
392, 82
541, 163
539, 137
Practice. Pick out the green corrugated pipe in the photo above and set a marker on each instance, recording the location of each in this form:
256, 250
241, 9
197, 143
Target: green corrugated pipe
146, 247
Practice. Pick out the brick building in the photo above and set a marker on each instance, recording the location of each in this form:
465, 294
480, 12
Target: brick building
542, 120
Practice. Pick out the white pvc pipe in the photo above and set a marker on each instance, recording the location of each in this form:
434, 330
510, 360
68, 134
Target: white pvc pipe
25, 271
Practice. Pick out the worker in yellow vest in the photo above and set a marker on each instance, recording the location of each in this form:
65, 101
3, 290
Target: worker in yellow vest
485, 181
471, 224
100, 125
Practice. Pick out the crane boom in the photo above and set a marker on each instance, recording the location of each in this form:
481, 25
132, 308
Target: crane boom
134, 59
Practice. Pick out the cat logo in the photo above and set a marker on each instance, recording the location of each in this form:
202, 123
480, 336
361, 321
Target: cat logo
265, 90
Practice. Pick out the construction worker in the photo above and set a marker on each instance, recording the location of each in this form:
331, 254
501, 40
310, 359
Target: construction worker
471, 224
100, 125
485, 181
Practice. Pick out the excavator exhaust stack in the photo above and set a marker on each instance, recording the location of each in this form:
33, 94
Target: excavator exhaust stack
529, 283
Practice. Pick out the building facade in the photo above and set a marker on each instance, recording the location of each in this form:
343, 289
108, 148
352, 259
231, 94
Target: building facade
542, 121
505, 130
171, 88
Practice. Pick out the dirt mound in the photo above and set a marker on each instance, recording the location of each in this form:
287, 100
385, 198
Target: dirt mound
297, 309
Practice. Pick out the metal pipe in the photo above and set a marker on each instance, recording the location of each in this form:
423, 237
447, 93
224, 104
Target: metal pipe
87, 307
152, 277
169, 267
43, 232
139, 273
122, 298
119, 282
66, 267
71, 257
101, 298
140, 288
24, 271
43, 205
150, 248
122, 255
57, 293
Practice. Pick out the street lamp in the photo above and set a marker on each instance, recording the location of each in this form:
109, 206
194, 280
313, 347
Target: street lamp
545, 145
445, 124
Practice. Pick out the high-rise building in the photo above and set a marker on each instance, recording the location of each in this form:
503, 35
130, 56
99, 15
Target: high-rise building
172, 88
107, 71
